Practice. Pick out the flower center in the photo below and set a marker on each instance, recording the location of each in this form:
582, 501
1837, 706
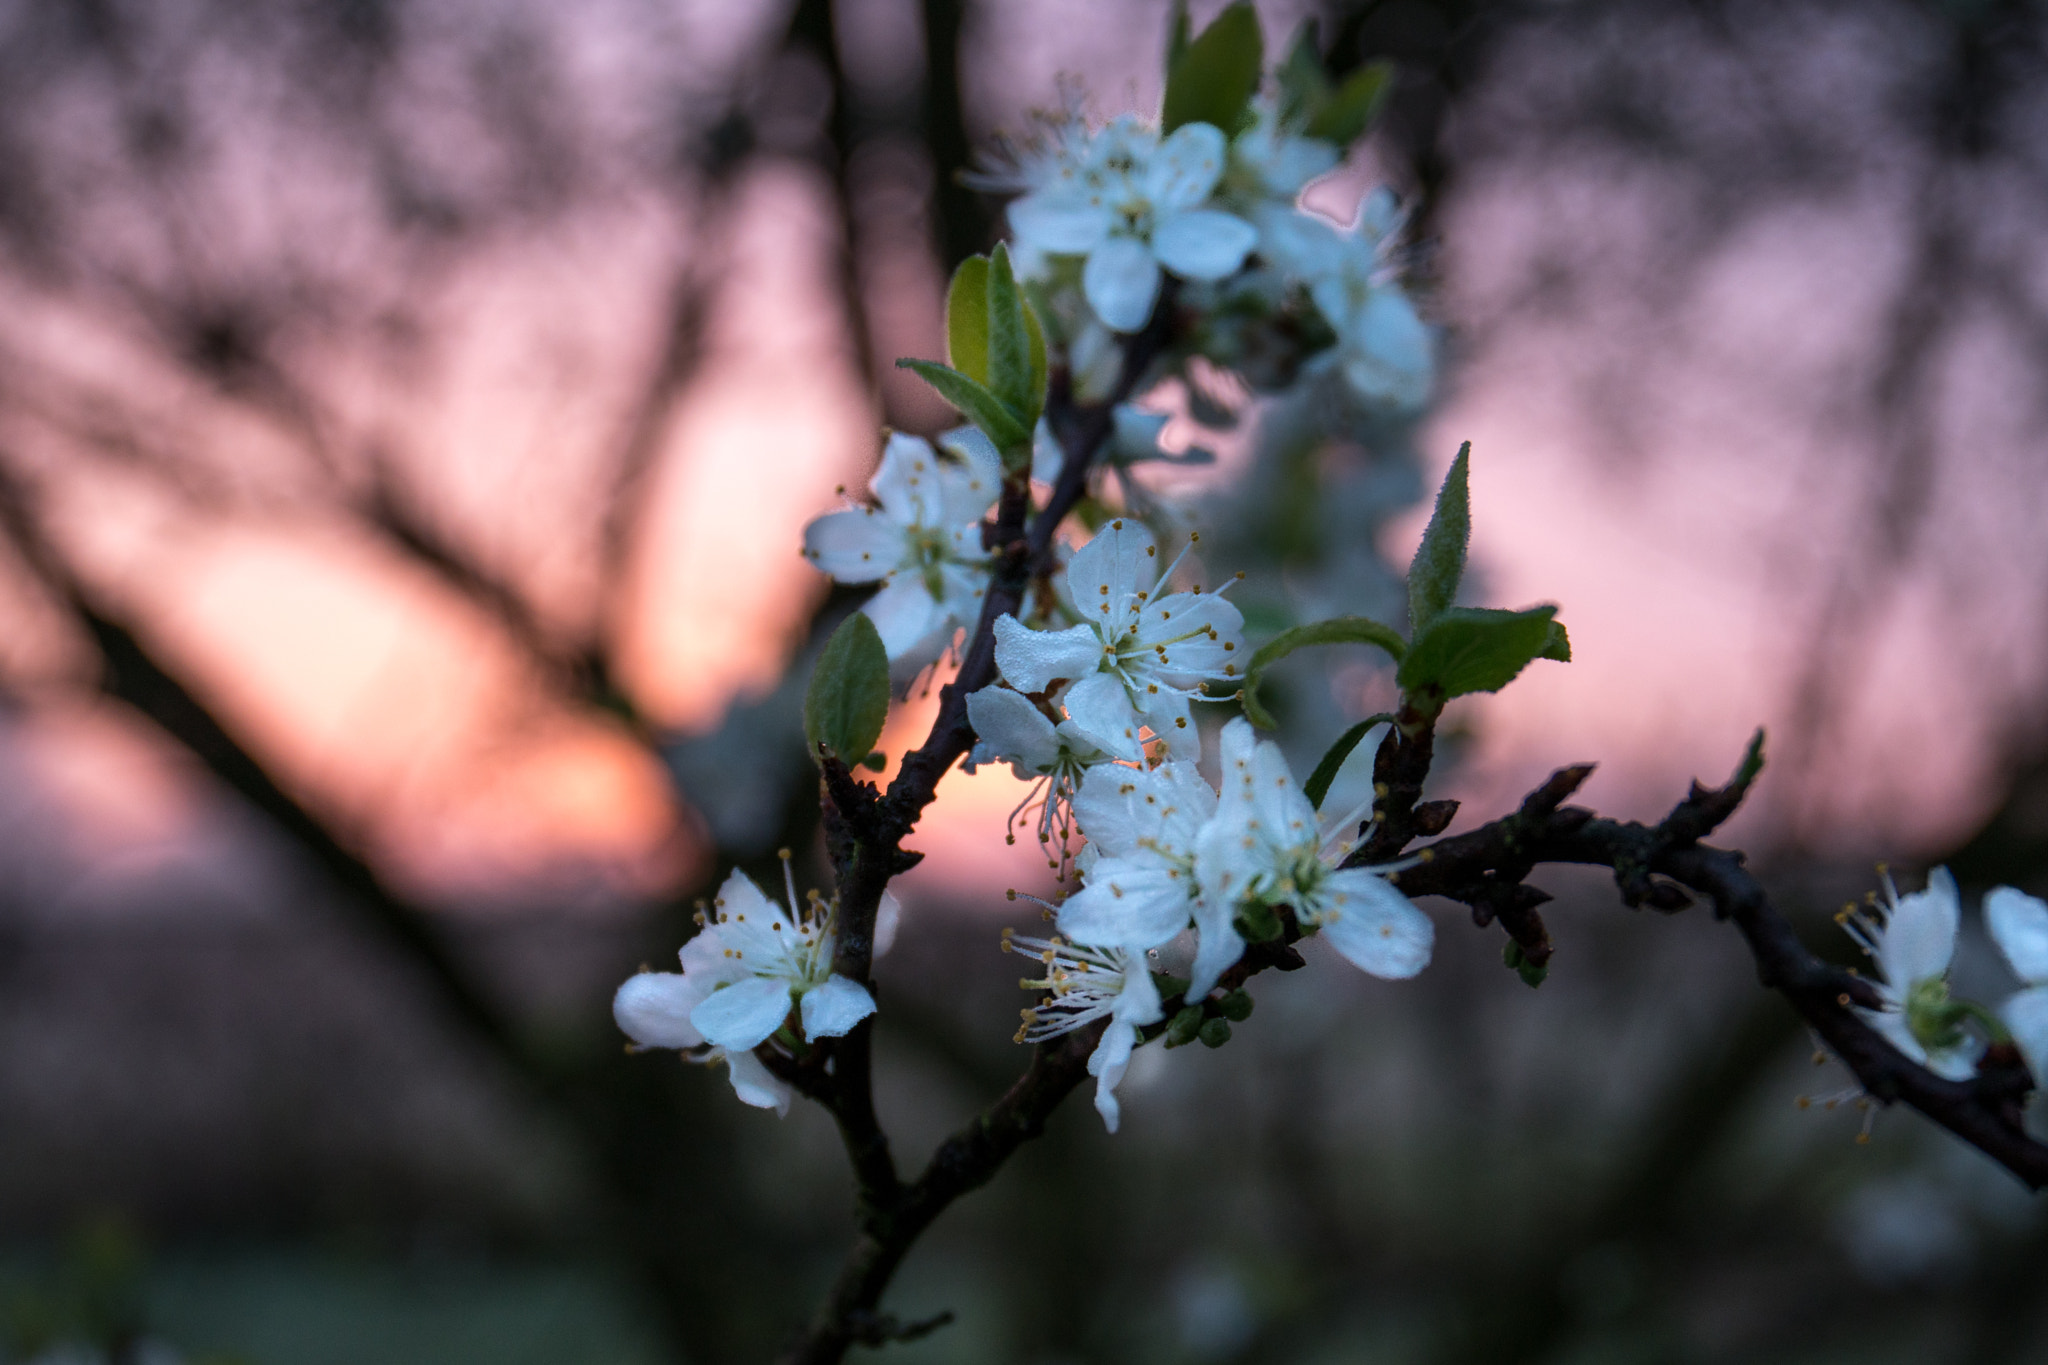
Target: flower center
1935, 1021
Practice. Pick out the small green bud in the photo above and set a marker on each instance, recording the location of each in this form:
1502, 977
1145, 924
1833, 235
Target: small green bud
1236, 1006
1511, 954
1258, 922
1184, 1027
1215, 1033
875, 761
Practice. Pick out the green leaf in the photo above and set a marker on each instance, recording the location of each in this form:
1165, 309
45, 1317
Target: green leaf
987, 319
1439, 561
1303, 86
1558, 645
1214, 78
848, 698
980, 407
1008, 338
1318, 785
967, 319
1176, 36
1347, 112
1473, 649
1339, 630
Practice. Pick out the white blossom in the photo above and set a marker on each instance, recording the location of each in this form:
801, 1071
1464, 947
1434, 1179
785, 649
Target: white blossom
921, 540
746, 969
1265, 847
2019, 925
1912, 941
1130, 204
1087, 984
1139, 656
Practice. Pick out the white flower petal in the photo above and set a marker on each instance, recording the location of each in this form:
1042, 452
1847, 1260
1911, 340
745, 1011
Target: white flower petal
970, 487
2019, 924
1217, 948
1117, 561
1294, 161
1132, 903
1203, 244
1100, 711
1107, 1063
1374, 926
1013, 728
1892, 1025
1121, 282
904, 613
2026, 1014
857, 546
1167, 714
740, 1017
653, 1009
1031, 659
1298, 244
1096, 359
1047, 459
1067, 224
1391, 358
888, 919
832, 1009
755, 1084
1185, 169
907, 483
1920, 936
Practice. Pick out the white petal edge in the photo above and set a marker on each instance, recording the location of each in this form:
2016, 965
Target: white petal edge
2019, 925
1121, 281
1375, 927
653, 1009
1013, 728
832, 1009
755, 1084
2026, 1015
1203, 244
1031, 659
1185, 169
740, 1017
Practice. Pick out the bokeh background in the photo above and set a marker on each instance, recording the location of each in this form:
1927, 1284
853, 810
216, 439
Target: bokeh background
408, 413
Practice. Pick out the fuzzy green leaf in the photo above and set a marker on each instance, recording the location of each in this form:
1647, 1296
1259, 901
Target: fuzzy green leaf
1318, 785
1216, 75
848, 700
1176, 36
1439, 562
1339, 630
1009, 340
1474, 649
975, 402
1346, 112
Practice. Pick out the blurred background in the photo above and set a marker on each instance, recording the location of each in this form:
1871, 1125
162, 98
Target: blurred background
408, 414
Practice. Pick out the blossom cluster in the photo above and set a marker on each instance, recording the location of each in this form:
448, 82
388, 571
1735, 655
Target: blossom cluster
1106, 214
